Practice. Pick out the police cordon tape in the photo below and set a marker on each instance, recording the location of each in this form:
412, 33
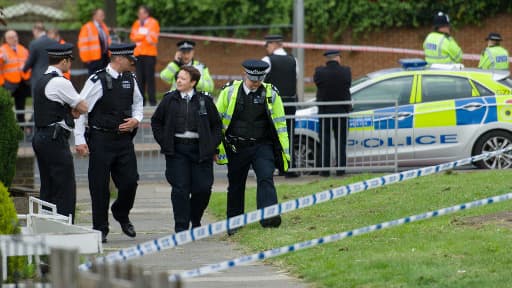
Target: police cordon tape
358, 48
184, 237
208, 269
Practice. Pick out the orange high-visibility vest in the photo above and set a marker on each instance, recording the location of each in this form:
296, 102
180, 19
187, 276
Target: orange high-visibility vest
145, 37
11, 63
66, 75
89, 42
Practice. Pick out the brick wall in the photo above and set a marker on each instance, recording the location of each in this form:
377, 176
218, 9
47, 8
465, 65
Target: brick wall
222, 58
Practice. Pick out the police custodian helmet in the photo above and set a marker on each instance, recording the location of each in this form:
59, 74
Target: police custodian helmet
441, 19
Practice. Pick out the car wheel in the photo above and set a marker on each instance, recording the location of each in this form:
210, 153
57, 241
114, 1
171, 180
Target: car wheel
490, 142
304, 152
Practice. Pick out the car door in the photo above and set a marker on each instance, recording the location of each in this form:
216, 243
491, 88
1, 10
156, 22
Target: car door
445, 115
381, 125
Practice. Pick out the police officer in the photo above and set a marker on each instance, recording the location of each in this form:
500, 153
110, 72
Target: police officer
187, 126
282, 73
333, 82
56, 103
440, 46
255, 135
494, 56
185, 57
115, 110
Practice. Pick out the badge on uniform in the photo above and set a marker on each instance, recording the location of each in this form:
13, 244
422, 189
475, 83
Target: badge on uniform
126, 84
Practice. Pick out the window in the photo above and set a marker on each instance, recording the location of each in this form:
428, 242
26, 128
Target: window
394, 89
439, 88
482, 91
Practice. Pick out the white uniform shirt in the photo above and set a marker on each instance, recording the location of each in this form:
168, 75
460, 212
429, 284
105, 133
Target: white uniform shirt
60, 89
92, 92
279, 51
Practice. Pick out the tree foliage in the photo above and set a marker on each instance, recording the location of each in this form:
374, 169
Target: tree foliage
323, 18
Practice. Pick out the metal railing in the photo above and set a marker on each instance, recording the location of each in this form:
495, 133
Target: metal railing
368, 144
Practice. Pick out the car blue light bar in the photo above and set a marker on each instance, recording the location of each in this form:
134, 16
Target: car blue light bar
413, 63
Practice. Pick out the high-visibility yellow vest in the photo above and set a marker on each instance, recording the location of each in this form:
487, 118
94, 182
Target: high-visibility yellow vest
494, 57
226, 104
441, 48
205, 83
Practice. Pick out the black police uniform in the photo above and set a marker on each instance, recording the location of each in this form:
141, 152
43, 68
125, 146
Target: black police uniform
50, 142
189, 160
283, 75
333, 82
112, 152
253, 135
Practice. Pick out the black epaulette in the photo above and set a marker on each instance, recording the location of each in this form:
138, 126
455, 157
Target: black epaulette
207, 94
275, 89
95, 76
230, 83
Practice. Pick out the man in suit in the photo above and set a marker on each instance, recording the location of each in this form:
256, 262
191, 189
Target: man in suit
333, 82
38, 56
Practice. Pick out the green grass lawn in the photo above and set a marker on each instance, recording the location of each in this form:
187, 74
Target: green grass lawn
466, 249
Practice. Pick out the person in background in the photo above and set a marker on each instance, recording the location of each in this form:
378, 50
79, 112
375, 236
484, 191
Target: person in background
255, 135
115, 111
94, 41
38, 56
187, 126
55, 35
333, 82
56, 104
185, 57
439, 46
282, 73
12, 58
144, 33
494, 55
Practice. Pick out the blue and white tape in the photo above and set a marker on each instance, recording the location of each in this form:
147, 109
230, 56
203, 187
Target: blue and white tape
209, 230
208, 269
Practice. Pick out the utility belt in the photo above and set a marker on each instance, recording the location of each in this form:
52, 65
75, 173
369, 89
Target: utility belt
187, 141
236, 143
109, 131
55, 130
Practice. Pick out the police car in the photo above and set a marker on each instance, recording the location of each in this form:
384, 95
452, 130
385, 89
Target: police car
420, 115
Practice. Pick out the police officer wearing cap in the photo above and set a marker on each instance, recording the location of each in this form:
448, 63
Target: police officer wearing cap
115, 110
282, 73
185, 57
187, 126
56, 103
494, 56
440, 46
333, 83
254, 130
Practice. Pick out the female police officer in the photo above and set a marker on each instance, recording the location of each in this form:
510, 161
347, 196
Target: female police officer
187, 126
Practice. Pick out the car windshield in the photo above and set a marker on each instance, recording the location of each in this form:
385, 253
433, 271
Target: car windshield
359, 80
506, 81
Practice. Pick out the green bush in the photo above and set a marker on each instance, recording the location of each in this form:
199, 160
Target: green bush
8, 225
10, 135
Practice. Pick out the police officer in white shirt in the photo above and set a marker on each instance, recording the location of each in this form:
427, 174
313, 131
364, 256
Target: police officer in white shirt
56, 103
115, 110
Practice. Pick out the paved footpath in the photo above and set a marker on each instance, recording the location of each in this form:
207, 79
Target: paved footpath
152, 218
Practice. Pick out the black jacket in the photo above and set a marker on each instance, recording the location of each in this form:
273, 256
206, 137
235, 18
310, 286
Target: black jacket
333, 82
209, 126
38, 59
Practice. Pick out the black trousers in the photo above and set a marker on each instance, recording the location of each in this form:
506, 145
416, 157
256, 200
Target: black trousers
111, 154
261, 158
146, 75
191, 183
20, 92
339, 129
56, 169
96, 65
